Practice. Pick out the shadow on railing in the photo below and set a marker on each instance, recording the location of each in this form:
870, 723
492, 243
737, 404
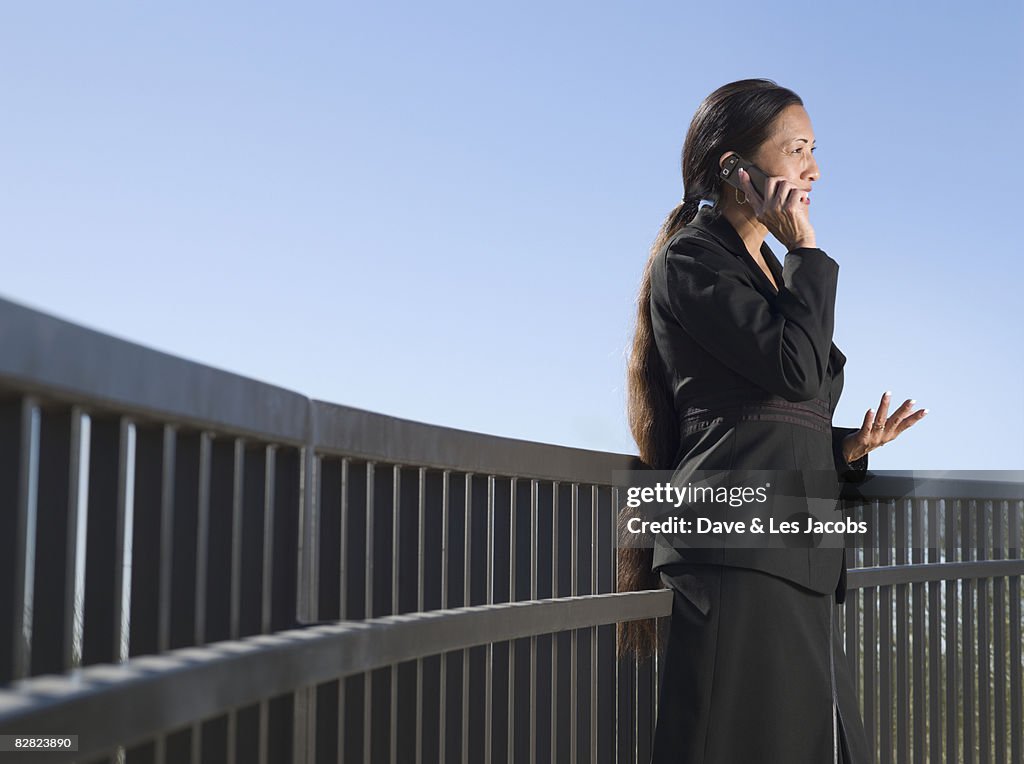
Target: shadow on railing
170, 533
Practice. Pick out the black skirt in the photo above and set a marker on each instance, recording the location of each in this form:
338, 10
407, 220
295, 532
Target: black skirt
748, 675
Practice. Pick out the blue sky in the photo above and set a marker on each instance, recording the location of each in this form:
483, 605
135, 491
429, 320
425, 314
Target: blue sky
441, 211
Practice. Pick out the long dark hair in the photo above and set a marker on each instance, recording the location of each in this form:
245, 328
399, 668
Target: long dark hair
736, 117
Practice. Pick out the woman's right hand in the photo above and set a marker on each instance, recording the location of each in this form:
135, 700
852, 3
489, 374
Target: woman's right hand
783, 210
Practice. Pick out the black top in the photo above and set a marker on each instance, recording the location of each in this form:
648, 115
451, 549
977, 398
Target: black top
754, 375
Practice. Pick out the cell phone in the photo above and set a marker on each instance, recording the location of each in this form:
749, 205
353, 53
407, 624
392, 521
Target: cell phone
734, 163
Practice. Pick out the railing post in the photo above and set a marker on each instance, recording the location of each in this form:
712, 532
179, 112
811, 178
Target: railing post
304, 738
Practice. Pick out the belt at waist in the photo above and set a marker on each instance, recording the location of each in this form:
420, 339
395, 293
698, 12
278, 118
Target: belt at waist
736, 405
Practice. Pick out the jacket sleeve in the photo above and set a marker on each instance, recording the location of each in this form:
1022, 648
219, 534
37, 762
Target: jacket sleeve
854, 471
782, 348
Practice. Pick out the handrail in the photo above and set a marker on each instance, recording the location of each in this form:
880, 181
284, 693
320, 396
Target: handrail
891, 575
948, 485
47, 355
108, 705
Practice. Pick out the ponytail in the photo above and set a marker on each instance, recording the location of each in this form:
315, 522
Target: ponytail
655, 428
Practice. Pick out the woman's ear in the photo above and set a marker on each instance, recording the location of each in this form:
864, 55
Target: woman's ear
721, 159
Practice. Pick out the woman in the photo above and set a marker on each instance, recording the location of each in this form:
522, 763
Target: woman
733, 368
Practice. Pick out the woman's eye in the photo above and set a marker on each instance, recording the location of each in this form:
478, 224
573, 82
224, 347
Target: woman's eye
797, 151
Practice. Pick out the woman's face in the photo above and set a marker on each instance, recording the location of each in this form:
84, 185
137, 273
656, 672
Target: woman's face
788, 152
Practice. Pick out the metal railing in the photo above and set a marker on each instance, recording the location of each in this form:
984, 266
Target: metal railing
933, 622
171, 535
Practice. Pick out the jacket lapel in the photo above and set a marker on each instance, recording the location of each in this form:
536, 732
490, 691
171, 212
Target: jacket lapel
721, 230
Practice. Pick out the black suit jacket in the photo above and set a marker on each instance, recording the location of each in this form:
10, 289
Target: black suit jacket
723, 332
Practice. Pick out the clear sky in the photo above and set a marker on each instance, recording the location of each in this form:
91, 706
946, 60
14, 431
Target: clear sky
441, 211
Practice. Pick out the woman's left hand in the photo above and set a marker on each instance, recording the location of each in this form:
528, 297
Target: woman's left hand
878, 430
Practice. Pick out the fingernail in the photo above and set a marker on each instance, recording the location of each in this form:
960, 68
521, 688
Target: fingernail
924, 411
912, 400
888, 393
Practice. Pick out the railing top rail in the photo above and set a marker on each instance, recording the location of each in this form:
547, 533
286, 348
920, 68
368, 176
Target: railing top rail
939, 484
54, 358
346, 430
51, 357
890, 575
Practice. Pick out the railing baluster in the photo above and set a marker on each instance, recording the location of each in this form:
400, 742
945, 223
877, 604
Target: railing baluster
467, 545
952, 675
998, 627
574, 560
446, 542
594, 634
369, 609
967, 664
917, 508
396, 508
935, 715
553, 673
886, 631
513, 578
872, 554
851, 607
27, 526
201, 550
534, 541
12, 536
124, 544
307, 595
78, 527
510, 730
983, 588
269, 489
343, 573
1016, 527
489, 654
421, 562
902, 717
237, 549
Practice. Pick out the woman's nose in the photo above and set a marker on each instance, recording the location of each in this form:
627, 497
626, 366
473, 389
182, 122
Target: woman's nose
814, 173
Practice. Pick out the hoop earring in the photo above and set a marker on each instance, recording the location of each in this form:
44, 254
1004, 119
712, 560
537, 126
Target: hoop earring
738, 197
